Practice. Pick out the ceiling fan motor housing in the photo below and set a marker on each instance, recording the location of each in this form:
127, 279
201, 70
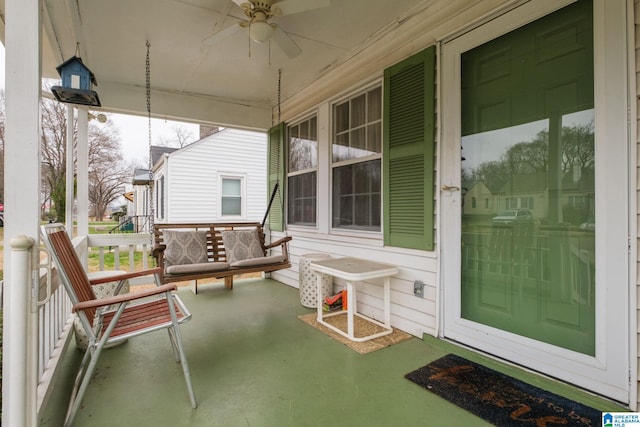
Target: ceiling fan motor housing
257, 8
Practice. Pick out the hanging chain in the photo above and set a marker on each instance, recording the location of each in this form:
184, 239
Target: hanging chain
278, 122
279, 88
151, 186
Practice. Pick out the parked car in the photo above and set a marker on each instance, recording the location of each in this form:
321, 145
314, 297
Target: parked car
512, 216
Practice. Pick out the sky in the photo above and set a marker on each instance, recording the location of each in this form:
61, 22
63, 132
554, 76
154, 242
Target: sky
134, 134
134, 130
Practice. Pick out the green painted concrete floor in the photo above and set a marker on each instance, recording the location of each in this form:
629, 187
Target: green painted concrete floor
254, 363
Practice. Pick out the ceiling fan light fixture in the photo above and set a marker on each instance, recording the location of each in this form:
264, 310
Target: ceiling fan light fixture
260, 31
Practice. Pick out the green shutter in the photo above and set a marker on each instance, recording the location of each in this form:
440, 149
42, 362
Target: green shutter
275, 171
408, 152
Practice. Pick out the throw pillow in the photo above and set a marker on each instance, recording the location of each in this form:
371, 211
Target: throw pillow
184, 247
241, 244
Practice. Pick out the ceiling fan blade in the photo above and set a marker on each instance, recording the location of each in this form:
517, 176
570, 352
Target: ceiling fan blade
217, 37
289, 7
286, 43
240, 2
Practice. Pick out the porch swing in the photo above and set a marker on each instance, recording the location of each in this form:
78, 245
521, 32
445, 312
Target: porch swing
218, 250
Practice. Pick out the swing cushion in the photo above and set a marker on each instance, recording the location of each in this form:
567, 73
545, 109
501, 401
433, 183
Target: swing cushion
185, 247
241, 245
263, 260
201, 267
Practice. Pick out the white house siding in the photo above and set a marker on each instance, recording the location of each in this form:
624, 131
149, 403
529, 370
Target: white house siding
192, 176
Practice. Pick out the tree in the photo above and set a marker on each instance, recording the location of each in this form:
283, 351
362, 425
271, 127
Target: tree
54, 158
182, 137
107, 173
532, 157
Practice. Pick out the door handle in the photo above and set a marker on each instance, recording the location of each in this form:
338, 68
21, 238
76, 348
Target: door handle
450, 188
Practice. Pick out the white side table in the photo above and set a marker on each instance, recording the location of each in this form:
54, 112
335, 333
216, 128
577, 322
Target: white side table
354, 270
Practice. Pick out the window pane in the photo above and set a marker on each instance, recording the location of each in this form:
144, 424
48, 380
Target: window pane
231, 187
358, 111
341, 147
231, 206
342, 117
301, 203
303, 146
358, 143
313, 128
375, 105
356, 196
374, 138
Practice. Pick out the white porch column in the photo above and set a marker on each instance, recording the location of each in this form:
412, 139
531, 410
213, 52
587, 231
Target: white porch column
69, 189
82, 172
21, 201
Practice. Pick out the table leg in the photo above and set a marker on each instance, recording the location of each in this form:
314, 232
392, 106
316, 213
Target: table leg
319, 301
387, 302
351, 308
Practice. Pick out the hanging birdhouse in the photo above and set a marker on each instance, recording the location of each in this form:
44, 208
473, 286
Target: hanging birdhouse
77, 83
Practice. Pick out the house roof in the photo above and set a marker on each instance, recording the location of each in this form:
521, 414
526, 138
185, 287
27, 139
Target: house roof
140, 177
157, 152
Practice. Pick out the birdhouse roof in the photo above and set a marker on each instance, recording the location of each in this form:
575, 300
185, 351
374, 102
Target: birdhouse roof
79, 60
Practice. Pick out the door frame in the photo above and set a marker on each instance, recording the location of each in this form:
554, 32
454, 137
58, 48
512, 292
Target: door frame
612, 371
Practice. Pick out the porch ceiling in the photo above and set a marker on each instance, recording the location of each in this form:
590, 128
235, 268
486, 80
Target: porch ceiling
219, 84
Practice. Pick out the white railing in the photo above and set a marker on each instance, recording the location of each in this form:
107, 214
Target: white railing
130, 243
54, 333
55, 320
133, 242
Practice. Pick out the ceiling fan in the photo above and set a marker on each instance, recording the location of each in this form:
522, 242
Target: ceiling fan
260, 29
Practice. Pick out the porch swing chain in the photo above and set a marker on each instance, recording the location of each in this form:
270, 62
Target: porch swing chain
151, 186
280, 139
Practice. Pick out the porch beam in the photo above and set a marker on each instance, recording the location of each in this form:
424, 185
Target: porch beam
21, 201
184, 106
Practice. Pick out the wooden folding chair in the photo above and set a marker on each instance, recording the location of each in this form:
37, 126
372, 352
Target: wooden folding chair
114, 319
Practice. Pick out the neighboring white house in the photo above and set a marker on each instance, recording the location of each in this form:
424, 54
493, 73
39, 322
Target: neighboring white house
222, 177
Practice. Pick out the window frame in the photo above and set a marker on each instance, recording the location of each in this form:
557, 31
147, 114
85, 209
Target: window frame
333, 164
243, 195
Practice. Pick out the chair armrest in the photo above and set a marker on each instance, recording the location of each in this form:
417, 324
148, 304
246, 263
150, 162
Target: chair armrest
117, 299
125, 276
278, 242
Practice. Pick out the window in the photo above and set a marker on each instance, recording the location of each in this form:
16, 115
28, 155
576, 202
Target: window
302, 173
231, 196
519, 203
356, 161
579, 202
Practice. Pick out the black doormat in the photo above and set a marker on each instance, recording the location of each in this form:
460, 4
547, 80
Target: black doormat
499, 398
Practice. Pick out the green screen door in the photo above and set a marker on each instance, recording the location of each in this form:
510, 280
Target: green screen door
528, 217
